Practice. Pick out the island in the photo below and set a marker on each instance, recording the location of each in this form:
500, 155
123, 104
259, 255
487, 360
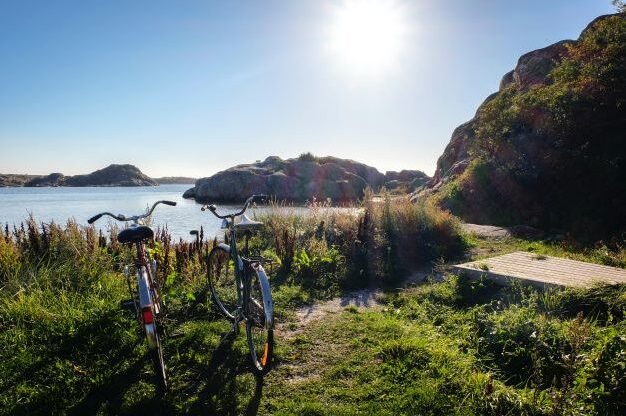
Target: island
306, 177
112, 175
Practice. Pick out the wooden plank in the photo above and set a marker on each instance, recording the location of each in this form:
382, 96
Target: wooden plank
543, 271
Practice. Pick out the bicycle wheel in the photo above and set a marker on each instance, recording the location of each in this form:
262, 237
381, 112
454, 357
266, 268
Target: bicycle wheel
156, 355
222, 281
152, 324
260, 320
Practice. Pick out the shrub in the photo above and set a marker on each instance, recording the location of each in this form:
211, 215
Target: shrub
307, 157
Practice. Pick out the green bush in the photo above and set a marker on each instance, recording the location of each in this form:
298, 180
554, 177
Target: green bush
307, 157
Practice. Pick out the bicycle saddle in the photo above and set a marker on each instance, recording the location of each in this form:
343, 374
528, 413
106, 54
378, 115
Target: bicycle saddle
247, 224
135, 234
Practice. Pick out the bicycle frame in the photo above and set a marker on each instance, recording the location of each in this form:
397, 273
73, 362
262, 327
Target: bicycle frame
242, 276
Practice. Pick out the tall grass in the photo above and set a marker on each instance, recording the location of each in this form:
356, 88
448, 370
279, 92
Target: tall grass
378, 243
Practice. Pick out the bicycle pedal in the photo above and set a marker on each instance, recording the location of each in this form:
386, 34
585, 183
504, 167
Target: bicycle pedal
128, 305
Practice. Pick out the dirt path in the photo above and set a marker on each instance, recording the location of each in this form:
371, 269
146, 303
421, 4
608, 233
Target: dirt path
365, 298
360, 299
487, 231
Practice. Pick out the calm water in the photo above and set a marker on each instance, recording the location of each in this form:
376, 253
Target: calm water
59, 204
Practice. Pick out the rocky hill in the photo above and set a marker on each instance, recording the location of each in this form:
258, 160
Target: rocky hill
299, 179
549, 148
112, 175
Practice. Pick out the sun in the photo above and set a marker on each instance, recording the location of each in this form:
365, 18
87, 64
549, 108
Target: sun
367, 37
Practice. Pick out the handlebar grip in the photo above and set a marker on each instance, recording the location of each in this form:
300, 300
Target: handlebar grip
170, 203
212, 207
94, 218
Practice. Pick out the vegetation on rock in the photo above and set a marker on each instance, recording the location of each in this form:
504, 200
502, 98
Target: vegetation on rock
548, 149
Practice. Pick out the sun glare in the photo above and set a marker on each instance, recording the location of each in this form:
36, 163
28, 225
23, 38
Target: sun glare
366, 37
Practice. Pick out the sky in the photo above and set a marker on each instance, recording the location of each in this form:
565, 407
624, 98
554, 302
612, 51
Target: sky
189, 88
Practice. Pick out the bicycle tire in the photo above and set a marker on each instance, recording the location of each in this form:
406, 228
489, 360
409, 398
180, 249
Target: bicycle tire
259, 320
156, 355
153, 328
222, 280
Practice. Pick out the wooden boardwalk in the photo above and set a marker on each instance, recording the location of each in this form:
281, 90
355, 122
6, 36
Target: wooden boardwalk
542, 270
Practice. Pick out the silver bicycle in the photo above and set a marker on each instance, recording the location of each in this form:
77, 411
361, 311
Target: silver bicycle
145, 299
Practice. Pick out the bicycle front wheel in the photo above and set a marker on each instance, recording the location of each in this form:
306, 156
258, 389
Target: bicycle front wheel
222, 280
260, 320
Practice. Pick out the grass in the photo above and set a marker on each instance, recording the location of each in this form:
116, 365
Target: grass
443, 347
455, 347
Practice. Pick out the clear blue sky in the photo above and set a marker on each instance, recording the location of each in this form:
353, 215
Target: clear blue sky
193, 87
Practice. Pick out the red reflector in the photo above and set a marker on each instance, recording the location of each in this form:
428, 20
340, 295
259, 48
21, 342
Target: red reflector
147, 315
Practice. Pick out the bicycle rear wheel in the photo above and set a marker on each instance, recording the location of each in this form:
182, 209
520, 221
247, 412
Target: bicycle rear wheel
222, 280
156, 355
150, 317
260, 320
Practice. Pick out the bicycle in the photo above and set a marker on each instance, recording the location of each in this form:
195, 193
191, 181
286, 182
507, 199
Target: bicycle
240, 288
145, 300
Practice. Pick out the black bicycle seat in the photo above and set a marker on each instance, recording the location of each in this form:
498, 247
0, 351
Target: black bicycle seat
135, 234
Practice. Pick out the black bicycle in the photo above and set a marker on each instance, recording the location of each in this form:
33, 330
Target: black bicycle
239, 286
145, 299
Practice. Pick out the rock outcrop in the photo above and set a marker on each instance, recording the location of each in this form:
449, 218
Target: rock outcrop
532, 69
405, 180
297, 179
548, 148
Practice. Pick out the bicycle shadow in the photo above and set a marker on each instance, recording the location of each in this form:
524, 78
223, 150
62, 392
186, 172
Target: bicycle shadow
220, 392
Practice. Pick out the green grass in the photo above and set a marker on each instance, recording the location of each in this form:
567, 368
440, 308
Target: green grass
435, 349
444, 347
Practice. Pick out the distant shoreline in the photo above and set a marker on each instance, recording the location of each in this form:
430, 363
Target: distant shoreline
99, 186
112, 175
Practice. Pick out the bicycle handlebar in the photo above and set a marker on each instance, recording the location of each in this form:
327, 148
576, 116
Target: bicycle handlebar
213, 208
121, 217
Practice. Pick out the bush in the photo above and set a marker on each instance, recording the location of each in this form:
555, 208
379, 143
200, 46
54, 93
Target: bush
307, 157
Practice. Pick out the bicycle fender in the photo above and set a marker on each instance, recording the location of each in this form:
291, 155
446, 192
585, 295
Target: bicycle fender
268, 304
143, 288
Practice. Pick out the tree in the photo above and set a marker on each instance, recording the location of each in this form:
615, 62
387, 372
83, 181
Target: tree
619, 5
